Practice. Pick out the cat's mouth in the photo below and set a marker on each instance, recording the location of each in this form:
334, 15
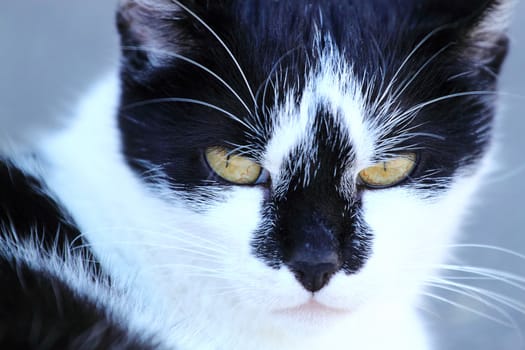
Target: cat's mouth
313, 308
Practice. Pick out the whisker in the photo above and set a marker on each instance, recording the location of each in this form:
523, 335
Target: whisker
444, 98
504, 300
413, 77
466, 308
195, 63
504, 277
222, 43
194, 101
244, 150
272, 71
201, 252
489, 247
406, 60
507, 176
210, 245
185, 266
466, 278
475, 295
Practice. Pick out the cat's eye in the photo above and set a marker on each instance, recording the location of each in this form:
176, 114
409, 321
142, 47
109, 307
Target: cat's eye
390, 172
232, 167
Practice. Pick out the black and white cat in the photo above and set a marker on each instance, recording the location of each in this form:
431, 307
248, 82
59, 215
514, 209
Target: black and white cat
260, 175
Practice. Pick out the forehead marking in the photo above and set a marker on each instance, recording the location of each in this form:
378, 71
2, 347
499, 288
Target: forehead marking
331, 86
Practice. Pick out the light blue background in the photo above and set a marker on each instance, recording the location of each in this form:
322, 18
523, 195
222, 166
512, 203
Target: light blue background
51, 50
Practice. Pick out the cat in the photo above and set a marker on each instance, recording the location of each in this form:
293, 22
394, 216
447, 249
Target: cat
257, 175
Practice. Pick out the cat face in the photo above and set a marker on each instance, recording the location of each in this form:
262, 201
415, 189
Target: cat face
306, 159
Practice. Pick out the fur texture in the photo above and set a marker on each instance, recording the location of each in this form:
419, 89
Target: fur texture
314, 92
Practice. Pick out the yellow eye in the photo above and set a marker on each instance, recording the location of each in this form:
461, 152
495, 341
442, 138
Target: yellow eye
390, 172
233, 168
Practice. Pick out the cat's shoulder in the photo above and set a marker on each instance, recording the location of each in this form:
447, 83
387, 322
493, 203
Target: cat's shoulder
51, 287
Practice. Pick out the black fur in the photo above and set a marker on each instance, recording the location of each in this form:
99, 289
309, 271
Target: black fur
161, 127
26, 208
38, 310
273, 37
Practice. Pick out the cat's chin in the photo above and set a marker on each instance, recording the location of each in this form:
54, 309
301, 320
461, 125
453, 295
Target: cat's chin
311, 314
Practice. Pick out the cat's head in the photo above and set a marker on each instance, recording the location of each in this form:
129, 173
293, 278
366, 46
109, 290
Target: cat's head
308, 157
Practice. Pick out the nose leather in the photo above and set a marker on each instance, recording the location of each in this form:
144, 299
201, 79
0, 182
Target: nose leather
314, 268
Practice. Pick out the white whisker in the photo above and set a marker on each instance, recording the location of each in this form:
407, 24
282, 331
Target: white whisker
196, 240
502, 299
195, 63
477, 295
185, 266
489, 247
502, 276
404, 86
405, 61
193, 101
422, 105
466, 308
223, 44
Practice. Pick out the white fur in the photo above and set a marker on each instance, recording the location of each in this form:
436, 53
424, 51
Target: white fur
119, 301
495, 21
199, 265
331, 86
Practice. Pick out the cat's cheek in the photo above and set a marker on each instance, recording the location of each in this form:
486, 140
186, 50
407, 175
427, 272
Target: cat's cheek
237, 217
252, 282
266, 290
396, 245
411, 238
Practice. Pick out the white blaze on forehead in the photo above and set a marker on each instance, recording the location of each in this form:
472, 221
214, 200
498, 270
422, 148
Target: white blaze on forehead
293, 124
332, 87
341, 92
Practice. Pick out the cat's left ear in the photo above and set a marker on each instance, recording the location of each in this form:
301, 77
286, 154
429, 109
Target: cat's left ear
487, 40
481, 27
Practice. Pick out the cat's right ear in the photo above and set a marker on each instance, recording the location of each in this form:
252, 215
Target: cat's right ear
149, 31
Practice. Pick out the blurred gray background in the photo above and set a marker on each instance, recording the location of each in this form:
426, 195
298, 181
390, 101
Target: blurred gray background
51, 50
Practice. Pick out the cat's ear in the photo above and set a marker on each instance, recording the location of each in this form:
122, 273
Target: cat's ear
494, 19
149, 31
486, 41
480, 27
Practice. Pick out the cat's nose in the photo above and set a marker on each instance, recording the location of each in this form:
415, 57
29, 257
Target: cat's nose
315, 275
